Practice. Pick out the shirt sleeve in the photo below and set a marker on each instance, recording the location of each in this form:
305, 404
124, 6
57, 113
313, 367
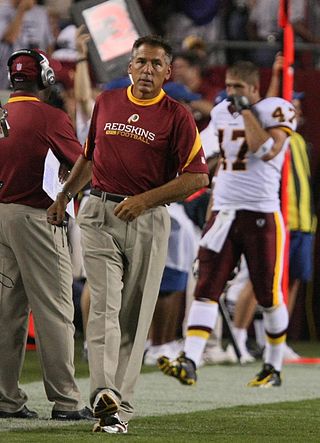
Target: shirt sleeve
63, 141
188, 144
209, 138
89, 144
274, 112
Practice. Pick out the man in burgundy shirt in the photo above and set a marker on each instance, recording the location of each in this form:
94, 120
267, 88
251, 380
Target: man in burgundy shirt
143, 151
35, 267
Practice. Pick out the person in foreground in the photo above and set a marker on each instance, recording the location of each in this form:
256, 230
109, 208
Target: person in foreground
35, 267
139, 140
246, 218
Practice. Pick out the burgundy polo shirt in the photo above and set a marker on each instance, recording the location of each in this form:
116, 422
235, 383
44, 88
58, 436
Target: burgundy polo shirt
34, 128
137, 145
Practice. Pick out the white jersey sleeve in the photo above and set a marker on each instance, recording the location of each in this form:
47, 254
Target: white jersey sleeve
209, 140
275, 112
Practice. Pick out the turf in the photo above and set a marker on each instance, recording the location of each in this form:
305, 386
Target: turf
219, 408
282, 422
32, 372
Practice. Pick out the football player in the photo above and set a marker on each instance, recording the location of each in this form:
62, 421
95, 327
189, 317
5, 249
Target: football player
253, 135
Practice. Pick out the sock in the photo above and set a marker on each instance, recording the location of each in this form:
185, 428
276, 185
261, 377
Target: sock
276, 322
260, 333
241, 335
215, 339
201, 321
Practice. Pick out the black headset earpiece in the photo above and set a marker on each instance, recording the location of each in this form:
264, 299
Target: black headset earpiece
46, 77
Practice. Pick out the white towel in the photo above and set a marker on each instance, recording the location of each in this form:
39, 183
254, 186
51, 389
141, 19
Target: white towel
183, 242
214, 239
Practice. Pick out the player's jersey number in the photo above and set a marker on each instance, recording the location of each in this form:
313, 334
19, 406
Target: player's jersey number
240, 163
278, 114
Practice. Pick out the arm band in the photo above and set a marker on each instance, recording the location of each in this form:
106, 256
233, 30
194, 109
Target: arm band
265, 148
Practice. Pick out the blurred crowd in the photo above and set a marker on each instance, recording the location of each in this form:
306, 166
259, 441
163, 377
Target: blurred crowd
188, 25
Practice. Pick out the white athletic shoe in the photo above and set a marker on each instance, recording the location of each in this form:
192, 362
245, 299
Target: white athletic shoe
216, 355
170, 350
111, 424
289, 353
246, 357
150, 358
176, 346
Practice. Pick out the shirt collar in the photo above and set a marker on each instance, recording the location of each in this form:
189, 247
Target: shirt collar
22, 97
146, 102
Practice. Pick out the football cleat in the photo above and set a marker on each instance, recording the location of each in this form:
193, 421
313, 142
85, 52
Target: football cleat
266, 378
106, 403
112, 424
182, 368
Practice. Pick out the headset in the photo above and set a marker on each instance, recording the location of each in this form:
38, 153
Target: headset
46, 74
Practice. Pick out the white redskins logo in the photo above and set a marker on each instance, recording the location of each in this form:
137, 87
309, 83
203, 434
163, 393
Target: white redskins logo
260, 222
133, 118
19, 66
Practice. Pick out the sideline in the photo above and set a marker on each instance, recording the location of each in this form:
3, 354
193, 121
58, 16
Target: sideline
218, 387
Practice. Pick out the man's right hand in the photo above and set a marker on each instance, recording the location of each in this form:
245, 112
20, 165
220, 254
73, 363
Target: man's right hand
56, 212
278, 64
239, 102
26, 5
82, 40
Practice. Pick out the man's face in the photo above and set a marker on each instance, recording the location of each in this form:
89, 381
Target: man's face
149, 68
236, 86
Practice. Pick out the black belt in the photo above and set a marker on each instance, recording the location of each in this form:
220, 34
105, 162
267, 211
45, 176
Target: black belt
107, 195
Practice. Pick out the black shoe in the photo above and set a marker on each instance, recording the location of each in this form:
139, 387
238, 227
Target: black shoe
23, 413
182, 368
83, 414
266, 378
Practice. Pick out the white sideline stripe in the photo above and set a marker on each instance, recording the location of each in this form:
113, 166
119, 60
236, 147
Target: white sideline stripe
218, 387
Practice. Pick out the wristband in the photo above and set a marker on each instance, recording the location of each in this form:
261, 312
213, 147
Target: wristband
68, 194
265, 148
83, 59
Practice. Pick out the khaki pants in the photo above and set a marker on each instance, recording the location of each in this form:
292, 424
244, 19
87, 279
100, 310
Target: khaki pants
124, 264
35, 272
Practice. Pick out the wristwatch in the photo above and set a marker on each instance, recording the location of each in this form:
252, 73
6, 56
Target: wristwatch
68, 194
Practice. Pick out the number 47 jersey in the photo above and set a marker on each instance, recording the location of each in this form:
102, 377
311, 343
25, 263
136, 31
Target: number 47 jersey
243, 180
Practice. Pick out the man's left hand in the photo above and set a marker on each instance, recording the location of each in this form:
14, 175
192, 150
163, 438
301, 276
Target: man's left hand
130, 208
56, 212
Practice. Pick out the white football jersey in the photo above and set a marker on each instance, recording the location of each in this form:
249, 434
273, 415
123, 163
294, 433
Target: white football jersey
245, 181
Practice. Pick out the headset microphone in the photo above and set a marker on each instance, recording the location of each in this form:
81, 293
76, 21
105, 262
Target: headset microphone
46, 73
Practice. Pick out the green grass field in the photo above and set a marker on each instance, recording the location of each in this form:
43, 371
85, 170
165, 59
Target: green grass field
219, 408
